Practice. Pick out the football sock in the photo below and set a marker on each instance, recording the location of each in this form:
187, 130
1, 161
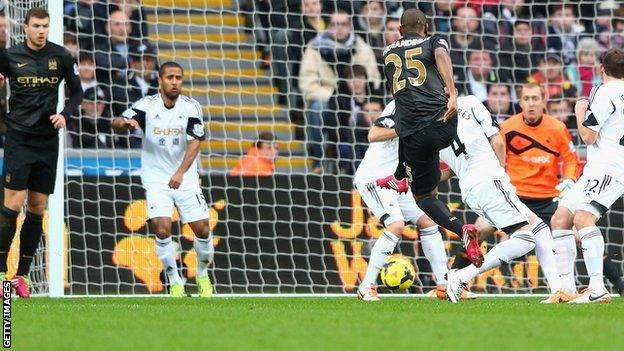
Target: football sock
544, 249
384, 246
205, 253
613, 272
565, 255
433, 248
461, 261
592, 243
519, 244
167, 254
440, 213
30, 235
8, 220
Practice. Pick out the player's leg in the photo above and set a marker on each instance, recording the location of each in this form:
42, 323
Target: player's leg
430, 237
490, 200
384, 204
601, 192
563, 237
193, 210
159, 210
422, 166
16, 171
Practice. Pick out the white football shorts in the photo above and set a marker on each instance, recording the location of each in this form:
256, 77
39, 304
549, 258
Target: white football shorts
497, 202
594, 193
190, 202
388, 205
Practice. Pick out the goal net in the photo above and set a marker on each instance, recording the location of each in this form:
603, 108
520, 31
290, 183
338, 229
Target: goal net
295, 231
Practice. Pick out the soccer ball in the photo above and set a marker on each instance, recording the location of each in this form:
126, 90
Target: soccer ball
398, 273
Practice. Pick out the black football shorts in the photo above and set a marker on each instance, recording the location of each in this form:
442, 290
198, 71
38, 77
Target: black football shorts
421, 157
30, 162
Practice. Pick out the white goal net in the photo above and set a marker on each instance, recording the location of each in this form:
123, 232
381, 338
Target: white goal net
293, 230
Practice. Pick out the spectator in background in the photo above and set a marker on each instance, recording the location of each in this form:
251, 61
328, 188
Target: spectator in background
478, 74
499, 20
519, 57
499, 101
4, 33
561, 108
440, 11
392, 30
136, 14
70, 43
342, 114
141, 79
260, 159
586, 73
551, 76
323, 62
465, 34
92, 128
369, 25
111, 55
86, 71
288, 46
614, 37
370, 112
563, 30
85, 18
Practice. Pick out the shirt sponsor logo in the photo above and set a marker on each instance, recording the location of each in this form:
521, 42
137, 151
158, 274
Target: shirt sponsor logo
168, 131
52, 64
37, 81
540, 160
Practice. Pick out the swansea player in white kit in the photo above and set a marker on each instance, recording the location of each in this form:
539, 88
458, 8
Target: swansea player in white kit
487, 190
601, 126
172, 126
393, 209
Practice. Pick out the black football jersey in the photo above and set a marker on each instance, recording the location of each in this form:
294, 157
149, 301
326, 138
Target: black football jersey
415, 82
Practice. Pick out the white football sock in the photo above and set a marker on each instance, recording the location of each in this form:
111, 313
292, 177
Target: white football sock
544, 249
519, 244
384, 246
205, 254
433, 247
565, 256
593, 245
167, 254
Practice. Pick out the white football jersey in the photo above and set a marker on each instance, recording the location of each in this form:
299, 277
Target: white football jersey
606, 116
471, 156
381, 158
165, 134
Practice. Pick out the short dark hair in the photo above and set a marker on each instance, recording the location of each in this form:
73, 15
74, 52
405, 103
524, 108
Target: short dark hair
265, 138
413, 19
491, 85
69, 38
375, 101
85, 56
618, 17
166, 65
522, 20
556, 99
613, 63
355, 71
36, 12
560, 6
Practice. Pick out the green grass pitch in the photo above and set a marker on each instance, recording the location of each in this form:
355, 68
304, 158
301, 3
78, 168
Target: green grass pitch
313, 324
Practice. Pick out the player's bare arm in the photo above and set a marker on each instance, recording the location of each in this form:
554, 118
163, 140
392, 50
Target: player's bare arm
192, 150
376, 134
580, 109
498, 145
445, 67
121, 124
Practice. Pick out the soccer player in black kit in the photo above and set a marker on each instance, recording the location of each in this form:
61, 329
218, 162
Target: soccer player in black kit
418, 68
34, 69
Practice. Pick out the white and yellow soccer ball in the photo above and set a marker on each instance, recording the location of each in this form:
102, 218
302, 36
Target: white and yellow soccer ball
398, 272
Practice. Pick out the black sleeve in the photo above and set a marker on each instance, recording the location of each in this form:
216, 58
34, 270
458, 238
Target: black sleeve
72, 81
4, 63
384, 122
195, 129
438, 41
